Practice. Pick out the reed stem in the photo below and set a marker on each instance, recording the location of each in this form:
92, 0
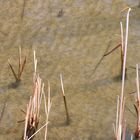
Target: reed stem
64, 99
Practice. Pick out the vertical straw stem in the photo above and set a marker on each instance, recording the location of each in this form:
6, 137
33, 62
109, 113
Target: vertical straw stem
35, 61
125, 53
137, 133
22, 68
19, 67
64, 98
124, 63
45, 112
120, 123
117, 115
137, 82
122, 40
49, 97
122, 46
47, 108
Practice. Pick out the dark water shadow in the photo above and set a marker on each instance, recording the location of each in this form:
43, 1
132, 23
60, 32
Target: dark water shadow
117, 78
14, 85
61, 124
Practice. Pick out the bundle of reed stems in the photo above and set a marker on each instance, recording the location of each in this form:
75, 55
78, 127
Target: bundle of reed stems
120, 126
33, 108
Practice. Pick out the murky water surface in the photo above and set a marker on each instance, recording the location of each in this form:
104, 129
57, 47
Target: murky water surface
70, 37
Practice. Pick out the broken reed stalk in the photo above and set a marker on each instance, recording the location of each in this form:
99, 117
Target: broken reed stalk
121, 45
120, 123
137, 105
121, 50
21, 66
64, 98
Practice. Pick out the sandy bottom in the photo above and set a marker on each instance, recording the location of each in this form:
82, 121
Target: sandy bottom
73, 45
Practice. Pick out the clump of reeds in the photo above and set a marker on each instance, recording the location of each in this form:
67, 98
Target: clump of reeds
33, 108
21, 65
137, 105
65, 101
120, 127
32, 115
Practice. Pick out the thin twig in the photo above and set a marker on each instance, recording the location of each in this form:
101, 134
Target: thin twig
19, 66
23, 10
132, 67
22, 111
13, 71
21, 121
99, 62
3, 108
119, 45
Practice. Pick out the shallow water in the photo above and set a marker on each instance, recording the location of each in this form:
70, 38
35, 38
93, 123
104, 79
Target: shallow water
70, 37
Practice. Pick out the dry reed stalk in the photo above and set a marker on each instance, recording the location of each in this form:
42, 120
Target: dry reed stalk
21, 66
64, 98
137, 105
47, 108
120, 45
120, 129
122, 51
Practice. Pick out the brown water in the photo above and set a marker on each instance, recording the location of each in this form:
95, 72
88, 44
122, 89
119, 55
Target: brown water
70, 37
